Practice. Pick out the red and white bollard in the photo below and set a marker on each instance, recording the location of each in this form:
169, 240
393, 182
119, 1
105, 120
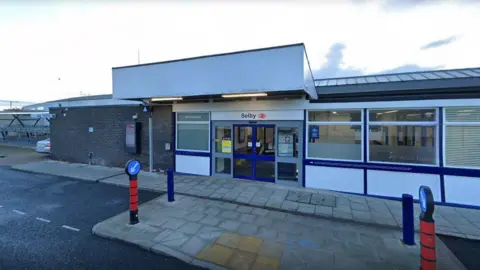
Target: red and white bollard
132, 168
428, 256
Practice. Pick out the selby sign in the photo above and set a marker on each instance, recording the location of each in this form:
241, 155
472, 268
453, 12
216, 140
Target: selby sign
259, 115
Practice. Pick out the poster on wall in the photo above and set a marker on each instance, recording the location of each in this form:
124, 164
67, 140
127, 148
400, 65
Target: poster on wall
226, 145
285, 144
130, 135
314, 132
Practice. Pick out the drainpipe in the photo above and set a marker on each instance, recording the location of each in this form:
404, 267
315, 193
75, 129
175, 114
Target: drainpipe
150, 140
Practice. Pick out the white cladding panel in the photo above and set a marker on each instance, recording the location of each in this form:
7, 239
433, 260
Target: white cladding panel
462, 190
259, 115
192, 164
394, 184
337, 179
276, 69
296, 104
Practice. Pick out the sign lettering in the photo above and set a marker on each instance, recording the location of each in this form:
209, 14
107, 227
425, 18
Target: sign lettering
253, 116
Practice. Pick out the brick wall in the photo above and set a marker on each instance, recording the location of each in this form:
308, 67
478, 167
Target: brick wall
72, 141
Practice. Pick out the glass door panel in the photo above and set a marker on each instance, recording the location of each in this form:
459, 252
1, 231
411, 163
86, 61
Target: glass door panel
289, 154
287, 171
222, 151
288, 142
243, 168
265, 141
243, 140
223, 139
223, 165
254, 152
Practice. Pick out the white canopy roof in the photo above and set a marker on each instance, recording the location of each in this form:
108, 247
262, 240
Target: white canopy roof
267, 70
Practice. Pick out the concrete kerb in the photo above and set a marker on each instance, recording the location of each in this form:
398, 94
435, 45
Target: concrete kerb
164, 250
16, 168
45, 173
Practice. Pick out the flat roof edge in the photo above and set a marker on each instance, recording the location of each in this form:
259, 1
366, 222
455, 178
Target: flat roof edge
212, 55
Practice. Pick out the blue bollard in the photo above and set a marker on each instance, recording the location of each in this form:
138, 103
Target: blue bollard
408, 224
170, 186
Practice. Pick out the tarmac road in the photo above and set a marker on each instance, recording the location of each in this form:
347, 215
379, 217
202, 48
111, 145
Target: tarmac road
46, 222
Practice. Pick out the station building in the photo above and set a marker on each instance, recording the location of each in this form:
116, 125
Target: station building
261, 115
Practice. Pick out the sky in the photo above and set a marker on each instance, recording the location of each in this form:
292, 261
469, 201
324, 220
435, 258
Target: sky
51, 49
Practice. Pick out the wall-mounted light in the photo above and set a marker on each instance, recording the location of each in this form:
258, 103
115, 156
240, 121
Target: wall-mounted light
167, 99
245, 95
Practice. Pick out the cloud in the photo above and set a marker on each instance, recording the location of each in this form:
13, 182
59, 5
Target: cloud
333, 67
403, 4
439, 43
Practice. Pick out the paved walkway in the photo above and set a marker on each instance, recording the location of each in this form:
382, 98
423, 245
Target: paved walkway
459, 222
219, 235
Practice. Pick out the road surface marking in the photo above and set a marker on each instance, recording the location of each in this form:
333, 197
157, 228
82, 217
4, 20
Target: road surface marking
42, 219
70, 228
19, 212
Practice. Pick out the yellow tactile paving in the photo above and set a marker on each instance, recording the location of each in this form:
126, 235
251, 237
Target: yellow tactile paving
216, 254
242, 252
241, 260
250, 244
266, 263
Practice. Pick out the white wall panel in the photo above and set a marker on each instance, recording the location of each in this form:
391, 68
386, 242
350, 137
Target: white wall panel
338, 179
263, 115
275, 69
192, 164
462, 190
302, 104
394, 184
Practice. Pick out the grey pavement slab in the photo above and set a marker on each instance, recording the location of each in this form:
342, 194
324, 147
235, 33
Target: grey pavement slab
190, 227
385, 213
299, 242
230, 225
248, 229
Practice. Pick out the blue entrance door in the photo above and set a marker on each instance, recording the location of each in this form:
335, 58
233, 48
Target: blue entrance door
254, 152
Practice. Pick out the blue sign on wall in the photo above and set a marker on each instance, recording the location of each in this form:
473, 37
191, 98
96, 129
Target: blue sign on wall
314, 132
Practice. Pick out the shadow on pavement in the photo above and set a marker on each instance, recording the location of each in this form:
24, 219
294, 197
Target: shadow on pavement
466, 250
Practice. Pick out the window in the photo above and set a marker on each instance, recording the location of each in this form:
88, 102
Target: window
335, 134
223, 165
462, 137
193, 132
287, 142
223, 139
403, 136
